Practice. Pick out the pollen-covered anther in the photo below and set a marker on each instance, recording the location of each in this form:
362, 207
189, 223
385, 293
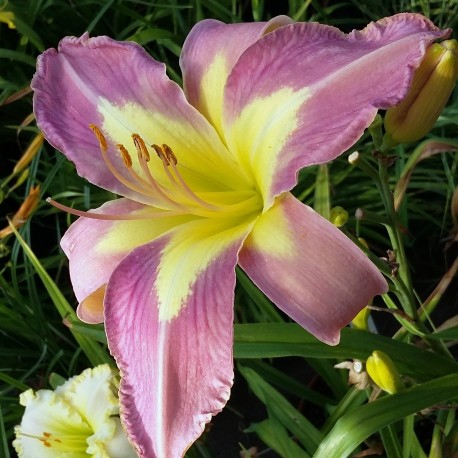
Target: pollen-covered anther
46, 439
100, 137
161, 154
125, 155
141, 147
169, 154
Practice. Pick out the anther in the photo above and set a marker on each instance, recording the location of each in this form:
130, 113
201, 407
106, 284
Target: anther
161, 154
100, 136
141, 147
169, 154
125, 155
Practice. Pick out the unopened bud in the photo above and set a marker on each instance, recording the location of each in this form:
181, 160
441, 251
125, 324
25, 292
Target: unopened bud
8, 18
29, 153
360, 321
432, 84
353, 158
24, 212
383, 372
338, 216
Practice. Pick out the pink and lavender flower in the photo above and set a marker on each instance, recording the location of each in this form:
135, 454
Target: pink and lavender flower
205, 175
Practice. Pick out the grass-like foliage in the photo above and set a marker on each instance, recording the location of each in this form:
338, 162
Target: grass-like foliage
288, 398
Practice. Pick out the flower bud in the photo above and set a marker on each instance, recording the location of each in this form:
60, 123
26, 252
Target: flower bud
383, 372
432, 84
29, 153
360, 321
8, 18
25, 210
338, 216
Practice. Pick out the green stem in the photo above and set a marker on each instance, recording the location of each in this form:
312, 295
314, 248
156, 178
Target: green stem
390, 442
441, 429
401, 279
396, 240
352, 399
408, 434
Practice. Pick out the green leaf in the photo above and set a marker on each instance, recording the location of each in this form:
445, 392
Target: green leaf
270, 340
94, 352
276, 437
3, 438
93, 331
352, 399
390, 442
288, 384
280, 409
25, 30
17, 56
446, 334
358, 425
13, 382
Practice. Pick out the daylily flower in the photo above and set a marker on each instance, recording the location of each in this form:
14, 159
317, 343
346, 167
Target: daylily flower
205, 176
77, 419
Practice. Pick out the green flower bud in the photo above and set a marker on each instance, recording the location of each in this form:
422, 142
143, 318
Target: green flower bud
360, 321
382, 371
432, 84
338, 216
8, 18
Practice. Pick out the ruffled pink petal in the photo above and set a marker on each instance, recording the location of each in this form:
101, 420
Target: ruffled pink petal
321, 89
95, 247
309, 269
209, 52
169, 322
119, 88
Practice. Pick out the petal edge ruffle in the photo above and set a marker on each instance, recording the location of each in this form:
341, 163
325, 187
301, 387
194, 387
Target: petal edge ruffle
340, 81
176, 367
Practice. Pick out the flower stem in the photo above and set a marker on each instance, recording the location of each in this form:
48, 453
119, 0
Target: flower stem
409, 303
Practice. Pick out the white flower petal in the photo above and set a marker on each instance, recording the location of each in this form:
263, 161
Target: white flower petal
92, 395
119, 446
50, 427
75, 420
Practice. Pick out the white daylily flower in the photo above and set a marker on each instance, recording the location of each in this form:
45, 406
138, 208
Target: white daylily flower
77, 419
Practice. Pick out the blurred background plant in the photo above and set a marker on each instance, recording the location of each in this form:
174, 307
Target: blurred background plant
288, 399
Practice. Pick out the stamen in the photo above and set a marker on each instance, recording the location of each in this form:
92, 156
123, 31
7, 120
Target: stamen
125, 155
100, 137
143, 158
110, 217
110, 165
169, 154
128, 162
147, 184
161, 154
141, 147
165, 163
67, 443
172, 162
